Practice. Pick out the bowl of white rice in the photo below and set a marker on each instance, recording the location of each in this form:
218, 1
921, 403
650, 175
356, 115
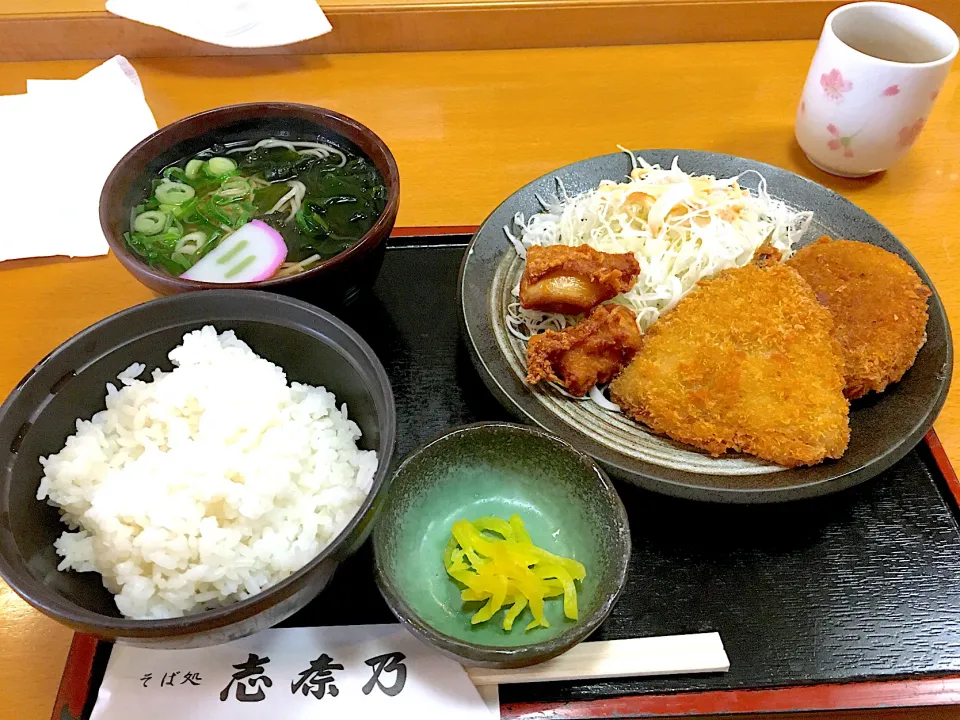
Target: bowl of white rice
193, 469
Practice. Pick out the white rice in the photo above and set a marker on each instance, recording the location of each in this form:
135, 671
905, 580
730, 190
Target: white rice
208, 484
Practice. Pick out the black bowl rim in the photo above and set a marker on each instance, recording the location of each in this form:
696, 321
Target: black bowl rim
509, 655
366, 243
56, 606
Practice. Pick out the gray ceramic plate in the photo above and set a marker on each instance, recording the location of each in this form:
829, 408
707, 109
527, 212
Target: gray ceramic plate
884, 428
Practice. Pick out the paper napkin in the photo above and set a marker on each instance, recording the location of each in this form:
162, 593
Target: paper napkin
337, 673
231, 23
63, 139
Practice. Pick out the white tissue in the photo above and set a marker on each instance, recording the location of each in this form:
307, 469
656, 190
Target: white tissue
231, 23
62, 139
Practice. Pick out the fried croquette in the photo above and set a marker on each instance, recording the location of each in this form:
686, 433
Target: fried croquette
591, 352
745, 362
571, 280
878, 304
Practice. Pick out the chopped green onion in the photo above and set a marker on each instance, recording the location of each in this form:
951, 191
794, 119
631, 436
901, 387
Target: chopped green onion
218, 166
181, 259
174, 193
135, 242
182, 211
234, 187
191, 242
174, 227
171, 236
151, 222
194, 168
175, 174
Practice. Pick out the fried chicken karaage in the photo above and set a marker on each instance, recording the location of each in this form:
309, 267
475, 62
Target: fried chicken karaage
878, 304
746, 362
571, 280
591, 352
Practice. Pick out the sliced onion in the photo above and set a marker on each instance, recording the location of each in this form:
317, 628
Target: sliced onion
667, 202
596, 394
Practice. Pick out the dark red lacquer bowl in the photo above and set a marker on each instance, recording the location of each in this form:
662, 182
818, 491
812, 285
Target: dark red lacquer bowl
338, 280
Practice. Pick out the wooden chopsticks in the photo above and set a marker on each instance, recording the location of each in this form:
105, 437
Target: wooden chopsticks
669, 655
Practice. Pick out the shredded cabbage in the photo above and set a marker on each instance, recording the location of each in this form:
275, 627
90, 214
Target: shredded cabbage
682, 228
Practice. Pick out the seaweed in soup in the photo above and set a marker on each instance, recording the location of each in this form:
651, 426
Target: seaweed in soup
322, 199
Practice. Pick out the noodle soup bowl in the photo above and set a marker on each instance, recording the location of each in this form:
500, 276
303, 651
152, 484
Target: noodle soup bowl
333, 282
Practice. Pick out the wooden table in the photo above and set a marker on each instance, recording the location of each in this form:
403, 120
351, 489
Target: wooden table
70, 29
467, 129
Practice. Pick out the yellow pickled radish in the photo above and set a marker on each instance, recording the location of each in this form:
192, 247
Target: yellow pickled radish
519, 531
536, 608
519, 603
495, 525
498, 594
498, 565
556, 572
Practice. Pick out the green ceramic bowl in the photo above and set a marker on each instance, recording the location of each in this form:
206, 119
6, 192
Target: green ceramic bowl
567, 503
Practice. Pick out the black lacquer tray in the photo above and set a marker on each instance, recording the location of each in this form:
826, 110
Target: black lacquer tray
848, 601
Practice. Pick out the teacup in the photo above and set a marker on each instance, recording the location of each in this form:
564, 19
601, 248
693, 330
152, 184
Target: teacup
874, 79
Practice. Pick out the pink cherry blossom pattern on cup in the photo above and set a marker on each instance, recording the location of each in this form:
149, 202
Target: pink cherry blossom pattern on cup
834, 85
877, 69
909, 135
839, 141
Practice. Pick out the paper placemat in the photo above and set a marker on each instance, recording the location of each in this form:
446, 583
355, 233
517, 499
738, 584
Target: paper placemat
361, 671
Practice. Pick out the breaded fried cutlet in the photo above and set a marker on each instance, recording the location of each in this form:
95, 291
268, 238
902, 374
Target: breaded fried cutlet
571, 280
588, 353
745, 362
879, 308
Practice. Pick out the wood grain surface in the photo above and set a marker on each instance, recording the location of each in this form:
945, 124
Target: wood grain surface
71, 29
467, 129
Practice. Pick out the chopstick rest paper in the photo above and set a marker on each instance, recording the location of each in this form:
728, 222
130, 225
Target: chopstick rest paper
95, 119
364, 671
671, 655
230, 23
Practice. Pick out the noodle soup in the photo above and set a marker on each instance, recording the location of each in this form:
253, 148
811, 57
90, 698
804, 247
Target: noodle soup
249, 212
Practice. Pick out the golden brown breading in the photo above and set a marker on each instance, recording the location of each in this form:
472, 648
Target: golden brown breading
571, 280
746, 362
591, 352
767, 255
879, 308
